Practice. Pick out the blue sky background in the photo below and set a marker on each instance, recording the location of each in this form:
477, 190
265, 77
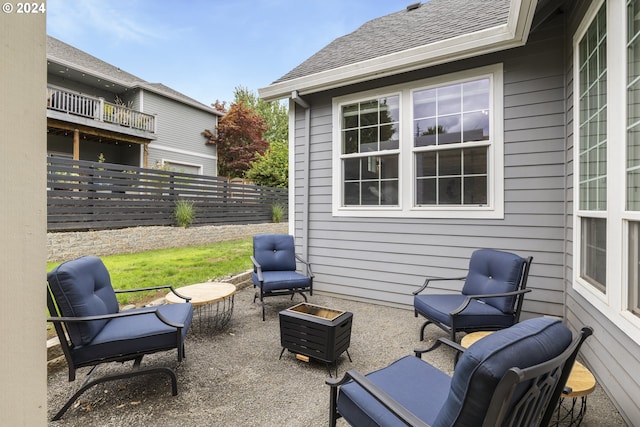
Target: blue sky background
206, 48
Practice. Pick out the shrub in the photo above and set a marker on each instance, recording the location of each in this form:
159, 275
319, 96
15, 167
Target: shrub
185, 213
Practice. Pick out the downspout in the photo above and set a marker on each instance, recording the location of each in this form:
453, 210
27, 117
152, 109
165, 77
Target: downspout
295, 97
566, 280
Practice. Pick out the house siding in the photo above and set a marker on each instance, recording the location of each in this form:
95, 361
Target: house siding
610, 354
384, 259
179, 134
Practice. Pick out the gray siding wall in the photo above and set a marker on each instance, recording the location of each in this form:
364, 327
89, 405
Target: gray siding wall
179, 133
610, 354
384, 259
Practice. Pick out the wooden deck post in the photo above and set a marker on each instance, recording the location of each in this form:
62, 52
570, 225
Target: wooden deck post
76, 144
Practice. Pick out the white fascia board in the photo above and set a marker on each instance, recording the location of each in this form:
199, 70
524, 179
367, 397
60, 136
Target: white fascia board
512, 34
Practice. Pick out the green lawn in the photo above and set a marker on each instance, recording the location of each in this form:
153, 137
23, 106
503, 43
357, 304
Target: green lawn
176, 267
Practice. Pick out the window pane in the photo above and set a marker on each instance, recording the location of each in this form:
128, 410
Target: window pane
450, 162
426, 164
368, 139
594, 252
476, 126
450, 191
370, 193
458, 173
475, 161
633, 108
351, 169
634, 268
350, 116
371, 180
349, 141
369, 113
389, 137
424, 103
593, 116
476, 95
424, 132
449, 129
633, 39
389, 194
633, 103
449, 99
475, 190
351, 193
388, 167
426, 191
389, 109
633, 190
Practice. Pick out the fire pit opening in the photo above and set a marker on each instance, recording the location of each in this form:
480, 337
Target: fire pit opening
317, 311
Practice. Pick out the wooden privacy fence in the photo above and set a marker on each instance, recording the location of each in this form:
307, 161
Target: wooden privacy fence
85, 195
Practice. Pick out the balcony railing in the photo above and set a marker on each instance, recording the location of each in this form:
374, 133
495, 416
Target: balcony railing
99, 109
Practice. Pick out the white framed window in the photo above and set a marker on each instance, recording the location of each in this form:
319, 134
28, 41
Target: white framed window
183, 167
607, 161
432, 148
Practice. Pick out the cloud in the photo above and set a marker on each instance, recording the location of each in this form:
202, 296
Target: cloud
113, 21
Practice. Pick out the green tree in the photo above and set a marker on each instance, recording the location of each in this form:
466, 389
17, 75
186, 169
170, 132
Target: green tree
275, 114
271, 168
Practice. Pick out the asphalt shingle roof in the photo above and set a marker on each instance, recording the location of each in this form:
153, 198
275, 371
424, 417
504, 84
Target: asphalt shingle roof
433, 21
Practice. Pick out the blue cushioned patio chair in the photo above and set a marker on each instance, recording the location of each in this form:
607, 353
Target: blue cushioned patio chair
491, 298
274, 268
92, 330
513, 377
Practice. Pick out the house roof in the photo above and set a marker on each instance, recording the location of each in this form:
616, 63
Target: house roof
68, 56
435, 32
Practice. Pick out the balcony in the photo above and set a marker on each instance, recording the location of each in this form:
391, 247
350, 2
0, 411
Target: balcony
96, 112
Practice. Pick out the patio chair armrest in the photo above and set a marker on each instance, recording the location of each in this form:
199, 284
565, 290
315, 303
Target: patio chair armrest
153, 288
126, 313
257, 268
454, 345
307, 265
435, 279
407, 417
468, 299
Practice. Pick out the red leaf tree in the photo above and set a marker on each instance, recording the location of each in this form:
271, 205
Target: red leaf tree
239, 138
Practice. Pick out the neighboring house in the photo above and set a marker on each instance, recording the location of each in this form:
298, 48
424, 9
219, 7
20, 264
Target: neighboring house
462, 124
96, 111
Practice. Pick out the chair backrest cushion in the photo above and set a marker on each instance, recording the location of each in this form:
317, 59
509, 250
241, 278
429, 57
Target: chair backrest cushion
275, 252
82, 287
484, 363
492, 271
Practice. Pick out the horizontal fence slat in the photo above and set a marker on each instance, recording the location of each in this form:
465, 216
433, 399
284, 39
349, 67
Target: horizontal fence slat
85, 195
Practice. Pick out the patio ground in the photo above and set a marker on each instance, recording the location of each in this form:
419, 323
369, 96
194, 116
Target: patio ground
233, 377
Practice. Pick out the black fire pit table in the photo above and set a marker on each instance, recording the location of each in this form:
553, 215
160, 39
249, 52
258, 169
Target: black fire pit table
313, 331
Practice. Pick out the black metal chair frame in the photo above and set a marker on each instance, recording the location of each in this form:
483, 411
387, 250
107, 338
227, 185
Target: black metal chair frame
60, 322
547, 381
452, 330
279, 292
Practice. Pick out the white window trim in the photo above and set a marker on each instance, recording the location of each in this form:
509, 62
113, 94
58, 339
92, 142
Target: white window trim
406, 209
612, 304
187, 164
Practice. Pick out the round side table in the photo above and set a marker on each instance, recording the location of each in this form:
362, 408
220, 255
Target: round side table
212, 302
580, 384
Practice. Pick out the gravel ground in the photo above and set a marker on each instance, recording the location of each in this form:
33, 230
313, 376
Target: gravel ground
233, 377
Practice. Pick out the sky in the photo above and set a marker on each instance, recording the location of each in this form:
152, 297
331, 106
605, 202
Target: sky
206, 48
